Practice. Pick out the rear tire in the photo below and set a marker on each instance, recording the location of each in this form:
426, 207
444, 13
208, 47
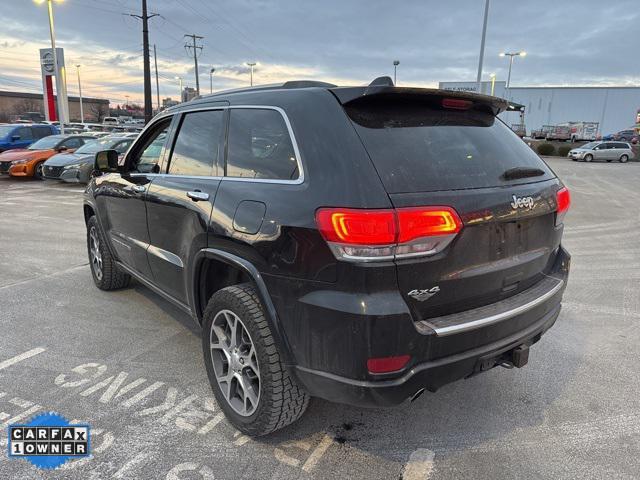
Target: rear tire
624, 158
106, 274
246, 373
588, 157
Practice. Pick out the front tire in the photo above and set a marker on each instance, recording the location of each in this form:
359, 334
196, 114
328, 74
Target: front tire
248, 378
106, 274
38, 171
588, 157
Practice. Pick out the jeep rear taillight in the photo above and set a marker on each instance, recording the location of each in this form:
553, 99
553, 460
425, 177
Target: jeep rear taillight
563, 201
385, 234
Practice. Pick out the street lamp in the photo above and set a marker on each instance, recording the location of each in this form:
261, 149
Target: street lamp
80, 94
180, 80
126, 105
211, 79
395, 67
251, 64
511, 55
55, 61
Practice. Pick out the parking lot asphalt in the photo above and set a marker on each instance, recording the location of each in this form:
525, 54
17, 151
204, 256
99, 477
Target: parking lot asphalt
130, 365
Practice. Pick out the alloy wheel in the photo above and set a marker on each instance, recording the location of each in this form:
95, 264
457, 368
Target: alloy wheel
235, 362
94, 253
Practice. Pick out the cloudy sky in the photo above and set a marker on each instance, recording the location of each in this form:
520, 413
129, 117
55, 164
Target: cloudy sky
576, 42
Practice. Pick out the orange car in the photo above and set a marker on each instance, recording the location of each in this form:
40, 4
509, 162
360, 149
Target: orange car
27, 162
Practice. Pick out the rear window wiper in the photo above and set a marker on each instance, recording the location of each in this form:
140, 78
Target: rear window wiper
521, 172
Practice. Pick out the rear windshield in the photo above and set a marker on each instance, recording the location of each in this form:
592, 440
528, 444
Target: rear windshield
417, 146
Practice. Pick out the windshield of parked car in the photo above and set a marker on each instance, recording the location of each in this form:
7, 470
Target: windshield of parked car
96, 146
590, 145
5, 130
47, 142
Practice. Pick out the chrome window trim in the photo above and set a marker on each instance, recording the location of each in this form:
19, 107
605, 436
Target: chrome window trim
283, 114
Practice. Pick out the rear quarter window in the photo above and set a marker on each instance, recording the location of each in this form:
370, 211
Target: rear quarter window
417, 146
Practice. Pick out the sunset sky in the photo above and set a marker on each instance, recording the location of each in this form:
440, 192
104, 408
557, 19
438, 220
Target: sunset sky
585, 42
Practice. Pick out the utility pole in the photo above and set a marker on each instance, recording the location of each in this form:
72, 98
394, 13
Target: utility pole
195, 47
251, 65
484, 35
148, 108
80, 94
155, 61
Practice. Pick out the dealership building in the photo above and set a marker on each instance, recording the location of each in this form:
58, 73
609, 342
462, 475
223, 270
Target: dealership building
614, 108
14, 104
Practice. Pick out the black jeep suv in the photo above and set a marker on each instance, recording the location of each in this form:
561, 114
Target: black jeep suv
359, 244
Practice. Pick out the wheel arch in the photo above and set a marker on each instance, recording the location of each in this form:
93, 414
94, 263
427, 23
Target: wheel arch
233, 270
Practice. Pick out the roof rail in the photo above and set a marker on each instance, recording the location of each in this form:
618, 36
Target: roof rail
307, 84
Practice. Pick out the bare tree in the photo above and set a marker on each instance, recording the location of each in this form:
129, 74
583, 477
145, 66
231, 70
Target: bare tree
27, 105
99, 111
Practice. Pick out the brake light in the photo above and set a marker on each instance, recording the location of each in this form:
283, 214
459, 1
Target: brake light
563, 202
426, 221
387, 364
384, 234
456, 104
357, 227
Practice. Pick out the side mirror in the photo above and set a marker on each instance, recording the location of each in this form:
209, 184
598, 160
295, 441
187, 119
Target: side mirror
62, 148
106, 161
15, 138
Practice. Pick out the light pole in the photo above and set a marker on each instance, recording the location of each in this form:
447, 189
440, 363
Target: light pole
484, 36
511, 55
55, 63
180, 80
251, 64
493, 83
126, 105
80, 94
211, 79
395, 70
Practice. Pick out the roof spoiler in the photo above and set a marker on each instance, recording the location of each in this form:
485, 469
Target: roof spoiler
377, 88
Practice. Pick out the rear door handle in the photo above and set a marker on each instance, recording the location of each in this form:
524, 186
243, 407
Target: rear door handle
197, 196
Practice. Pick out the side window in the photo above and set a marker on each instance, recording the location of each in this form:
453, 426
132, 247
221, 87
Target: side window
41, 132
260, 146
73, 142
196, 147
122, 146
24, 133
621, 145
146, 156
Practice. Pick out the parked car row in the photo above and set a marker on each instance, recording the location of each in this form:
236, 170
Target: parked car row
568, 131
628, 135
62, 157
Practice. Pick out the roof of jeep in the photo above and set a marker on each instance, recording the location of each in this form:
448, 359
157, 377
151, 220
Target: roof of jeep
344, 94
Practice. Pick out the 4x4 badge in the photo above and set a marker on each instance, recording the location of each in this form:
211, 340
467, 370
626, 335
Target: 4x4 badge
422, 295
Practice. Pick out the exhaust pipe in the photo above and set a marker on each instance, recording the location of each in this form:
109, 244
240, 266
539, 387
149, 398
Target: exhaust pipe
417, 394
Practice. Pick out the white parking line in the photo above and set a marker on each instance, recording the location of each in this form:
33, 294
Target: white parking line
419, 466
23, 356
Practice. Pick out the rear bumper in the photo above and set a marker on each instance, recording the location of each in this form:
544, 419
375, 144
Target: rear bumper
332, 334
429, 375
